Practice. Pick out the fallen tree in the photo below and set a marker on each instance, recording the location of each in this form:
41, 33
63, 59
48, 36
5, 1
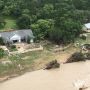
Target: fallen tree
52, 64
76, 57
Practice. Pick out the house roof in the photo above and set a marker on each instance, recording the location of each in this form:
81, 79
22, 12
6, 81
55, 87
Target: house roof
87, 25
22, 33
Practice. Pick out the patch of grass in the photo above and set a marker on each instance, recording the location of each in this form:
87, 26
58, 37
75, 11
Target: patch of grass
7, 69
29, 61
26, 64
10, 24
49, 46
12, 48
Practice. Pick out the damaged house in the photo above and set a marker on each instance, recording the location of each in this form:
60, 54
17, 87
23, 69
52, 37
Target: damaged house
16, 36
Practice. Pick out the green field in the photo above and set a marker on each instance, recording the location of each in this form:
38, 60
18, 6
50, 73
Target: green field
10, 24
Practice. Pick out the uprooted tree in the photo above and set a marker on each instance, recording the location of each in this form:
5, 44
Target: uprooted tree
52, 64
76, 57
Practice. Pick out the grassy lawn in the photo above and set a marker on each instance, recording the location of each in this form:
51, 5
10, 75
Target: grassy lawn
32, 61
28, 62
10, 24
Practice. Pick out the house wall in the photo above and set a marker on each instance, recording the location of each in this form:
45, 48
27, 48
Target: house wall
15, 37
31, 41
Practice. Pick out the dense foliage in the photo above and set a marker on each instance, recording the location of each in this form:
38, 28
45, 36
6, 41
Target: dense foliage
2, 22
57, 20
2, 53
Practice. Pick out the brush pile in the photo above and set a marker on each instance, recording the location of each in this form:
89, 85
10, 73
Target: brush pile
52, 64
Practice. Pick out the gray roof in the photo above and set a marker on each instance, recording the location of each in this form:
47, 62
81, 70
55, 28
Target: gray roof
21, 33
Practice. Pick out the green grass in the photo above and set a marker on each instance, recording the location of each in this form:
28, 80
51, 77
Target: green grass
29, 61
10, 24
13, 68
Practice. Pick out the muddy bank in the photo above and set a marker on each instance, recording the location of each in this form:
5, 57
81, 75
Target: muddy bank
56, 79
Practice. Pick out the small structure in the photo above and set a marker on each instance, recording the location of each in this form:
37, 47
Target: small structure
86, 27
17, 36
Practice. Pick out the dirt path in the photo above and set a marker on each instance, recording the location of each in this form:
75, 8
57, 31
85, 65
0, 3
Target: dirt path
58, 79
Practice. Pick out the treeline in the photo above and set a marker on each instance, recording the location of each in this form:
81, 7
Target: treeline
57, 20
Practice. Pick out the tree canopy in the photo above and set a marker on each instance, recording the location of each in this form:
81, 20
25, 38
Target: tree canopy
57, 20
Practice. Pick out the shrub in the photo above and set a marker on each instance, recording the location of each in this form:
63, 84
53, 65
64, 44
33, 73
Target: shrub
52, 64
1, 41
87, 56
13, 48
1, 53
77, 56
24, 22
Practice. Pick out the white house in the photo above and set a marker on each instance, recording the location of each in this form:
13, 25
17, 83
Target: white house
17, 36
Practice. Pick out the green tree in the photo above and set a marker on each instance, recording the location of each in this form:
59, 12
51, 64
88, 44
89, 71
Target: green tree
68, 31
48, 11
16, 12
24, 22
6, 11
68, 15
25, 11
42, 28
1, 5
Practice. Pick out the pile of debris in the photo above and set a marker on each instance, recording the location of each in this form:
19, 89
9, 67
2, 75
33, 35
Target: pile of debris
76, 57
52, 64
87, 46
